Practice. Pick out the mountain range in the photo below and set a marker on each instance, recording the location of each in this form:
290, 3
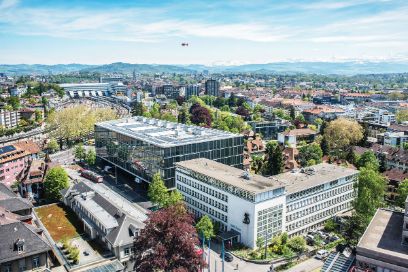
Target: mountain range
325, 68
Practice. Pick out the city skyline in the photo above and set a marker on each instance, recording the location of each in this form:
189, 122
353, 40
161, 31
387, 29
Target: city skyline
229, 33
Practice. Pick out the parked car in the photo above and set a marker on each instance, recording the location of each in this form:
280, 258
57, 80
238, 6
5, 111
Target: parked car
322, 254
334, 238
310, 240
228, 257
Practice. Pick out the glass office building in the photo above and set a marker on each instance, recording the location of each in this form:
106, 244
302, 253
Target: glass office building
145, 146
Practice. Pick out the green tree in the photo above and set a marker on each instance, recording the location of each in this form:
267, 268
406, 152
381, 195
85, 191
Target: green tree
52, 146
309, 153
90, 157
38, 116
205, 227
402, 116
173, 198
80, 152
138, 109
297, 244
55, 181
292, 113
157, 191
370, 193
402, 192
368, 160
274, 164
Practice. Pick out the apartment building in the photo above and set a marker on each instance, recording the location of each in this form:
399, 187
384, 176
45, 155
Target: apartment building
294, 136
212, 87
248, 206
9, 119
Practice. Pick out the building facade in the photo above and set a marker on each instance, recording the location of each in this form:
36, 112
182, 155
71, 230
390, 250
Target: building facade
9, 119
212, 87
192, 90
145, 146
294, 202
269, 129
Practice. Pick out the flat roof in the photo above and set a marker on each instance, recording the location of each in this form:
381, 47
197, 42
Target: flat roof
163, 133
302, 179
230, 175
382, 239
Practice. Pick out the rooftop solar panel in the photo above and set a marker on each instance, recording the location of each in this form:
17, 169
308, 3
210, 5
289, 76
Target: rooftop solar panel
7, 148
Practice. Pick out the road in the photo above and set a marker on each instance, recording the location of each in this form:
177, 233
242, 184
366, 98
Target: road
216, 264
65, 157
307, 266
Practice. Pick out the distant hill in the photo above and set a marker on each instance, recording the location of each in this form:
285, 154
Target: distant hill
340, 68
41, 69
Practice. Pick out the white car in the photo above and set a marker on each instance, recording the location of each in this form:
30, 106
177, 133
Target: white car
322, 254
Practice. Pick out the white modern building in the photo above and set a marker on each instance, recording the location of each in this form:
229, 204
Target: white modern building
94, 89
315, 194
248, 206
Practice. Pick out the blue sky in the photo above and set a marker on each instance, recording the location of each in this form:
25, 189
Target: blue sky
219, 32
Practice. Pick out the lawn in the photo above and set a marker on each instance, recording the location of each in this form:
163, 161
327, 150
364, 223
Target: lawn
60, 221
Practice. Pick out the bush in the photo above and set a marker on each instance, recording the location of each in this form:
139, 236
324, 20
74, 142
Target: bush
330, 225
297, 244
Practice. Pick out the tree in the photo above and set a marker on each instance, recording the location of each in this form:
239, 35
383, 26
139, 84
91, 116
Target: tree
297, 244
90, 157
80, 152
292, 113
274, 164
256, 163
168, 242
157, 191
38, 116
52, 146
200, 115
76, 123
402, 116
243, 112
174, 198
55, 181
402, 192
138, 109
370, 192
382, 159
341, 134
205, 227
309, 153
368, 160
14, 102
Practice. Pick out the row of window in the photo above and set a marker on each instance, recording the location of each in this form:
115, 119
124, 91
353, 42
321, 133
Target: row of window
206, 209
269, 222
35, 261
318, 207
317, 217
306, 192
199, 214
320, 197
128, 250
203, 198
202, 188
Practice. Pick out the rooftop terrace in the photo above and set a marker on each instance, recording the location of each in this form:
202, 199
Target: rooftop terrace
163, 133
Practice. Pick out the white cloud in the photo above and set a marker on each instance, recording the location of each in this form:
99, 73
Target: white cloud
8, 4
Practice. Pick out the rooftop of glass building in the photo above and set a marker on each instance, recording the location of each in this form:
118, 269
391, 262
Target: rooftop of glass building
163, 133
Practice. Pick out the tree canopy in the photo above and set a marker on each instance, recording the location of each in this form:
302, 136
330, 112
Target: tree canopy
402, 192
274, 163
368, 160
310, 154
168, 242
55, 180
205, 227
75, 123
341, 134
159, 195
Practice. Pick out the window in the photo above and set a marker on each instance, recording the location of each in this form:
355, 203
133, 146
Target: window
7, 268
127, 251
36, 262
20, 248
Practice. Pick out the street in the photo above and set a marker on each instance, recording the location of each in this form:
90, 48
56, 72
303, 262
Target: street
243, 266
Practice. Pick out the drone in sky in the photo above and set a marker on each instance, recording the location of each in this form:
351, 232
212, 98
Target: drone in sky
184, 44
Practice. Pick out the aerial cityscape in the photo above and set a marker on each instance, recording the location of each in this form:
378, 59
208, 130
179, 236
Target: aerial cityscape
204, 136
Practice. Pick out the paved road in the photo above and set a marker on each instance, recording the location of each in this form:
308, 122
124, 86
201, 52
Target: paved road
307, 266
63, 157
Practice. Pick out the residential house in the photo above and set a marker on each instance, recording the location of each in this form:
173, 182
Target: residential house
394, 178
15, 204
294, 136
